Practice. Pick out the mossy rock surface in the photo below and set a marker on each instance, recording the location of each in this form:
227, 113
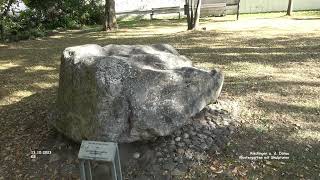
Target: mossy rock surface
126, 93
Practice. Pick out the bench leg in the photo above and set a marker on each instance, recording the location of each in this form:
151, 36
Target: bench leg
118, 165
114, 171
151, 16
82, 170
238, 9
88, 169
179, 15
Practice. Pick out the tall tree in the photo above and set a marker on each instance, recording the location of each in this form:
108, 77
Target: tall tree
193, 13
5, 6
110, 22
290, 6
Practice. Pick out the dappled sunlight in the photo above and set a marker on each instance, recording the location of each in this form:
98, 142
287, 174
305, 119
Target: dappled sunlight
308, 134
271, 67
8, 66
256, 69
27, 48
310, 70
14, 97
45, 85
311, 104
52, 76
56, 37
39, 68
270, 53
266, 25
154, 30
297, 76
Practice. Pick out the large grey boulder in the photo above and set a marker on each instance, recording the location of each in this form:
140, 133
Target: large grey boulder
126, 93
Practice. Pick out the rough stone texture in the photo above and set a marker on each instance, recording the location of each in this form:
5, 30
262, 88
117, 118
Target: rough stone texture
206, 141
127, 93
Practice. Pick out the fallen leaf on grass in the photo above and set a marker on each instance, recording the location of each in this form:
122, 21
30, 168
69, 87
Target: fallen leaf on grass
219, 172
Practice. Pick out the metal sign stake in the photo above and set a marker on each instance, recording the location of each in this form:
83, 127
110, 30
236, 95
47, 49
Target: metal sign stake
99, 151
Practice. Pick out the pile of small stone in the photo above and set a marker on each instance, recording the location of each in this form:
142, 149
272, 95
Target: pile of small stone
208, 132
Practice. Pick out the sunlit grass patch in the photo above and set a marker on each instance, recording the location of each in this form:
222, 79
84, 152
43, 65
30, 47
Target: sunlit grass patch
39, 68
8, 65
16, 96
271, 67
308, 134
252, 69
56, 36
44, 85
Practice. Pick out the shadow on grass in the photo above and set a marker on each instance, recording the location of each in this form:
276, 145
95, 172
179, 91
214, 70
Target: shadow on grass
290, 90
263, 84
264, 141
273, 51
310, 114
25, 118
23, 129
154, 22
306, 18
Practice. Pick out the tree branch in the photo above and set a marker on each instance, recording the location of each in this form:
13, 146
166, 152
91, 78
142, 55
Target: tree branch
6, 9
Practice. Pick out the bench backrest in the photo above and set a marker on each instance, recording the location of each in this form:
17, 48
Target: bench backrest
216, 5
228, 2
232, 2
166, 9
214, 1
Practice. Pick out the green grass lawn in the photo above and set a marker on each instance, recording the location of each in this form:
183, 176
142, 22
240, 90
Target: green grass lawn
271, 65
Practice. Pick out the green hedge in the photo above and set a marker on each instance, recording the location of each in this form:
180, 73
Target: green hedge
44, 16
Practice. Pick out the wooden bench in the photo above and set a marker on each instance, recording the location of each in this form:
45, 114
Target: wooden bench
165, 10
235, 3
217, 9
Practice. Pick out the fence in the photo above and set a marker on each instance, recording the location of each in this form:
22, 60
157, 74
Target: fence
256, 6
246, 6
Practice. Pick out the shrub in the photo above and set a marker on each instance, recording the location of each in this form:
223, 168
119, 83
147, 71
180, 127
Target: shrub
23, 26
43, 16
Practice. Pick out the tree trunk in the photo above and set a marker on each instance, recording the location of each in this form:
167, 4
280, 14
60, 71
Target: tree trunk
238, 10
193, 13
197, 15
1, 30
289, 10
110, 22
188, 16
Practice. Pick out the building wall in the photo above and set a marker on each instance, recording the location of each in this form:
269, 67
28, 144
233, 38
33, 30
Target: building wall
256, 6
143, 5
246, 6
